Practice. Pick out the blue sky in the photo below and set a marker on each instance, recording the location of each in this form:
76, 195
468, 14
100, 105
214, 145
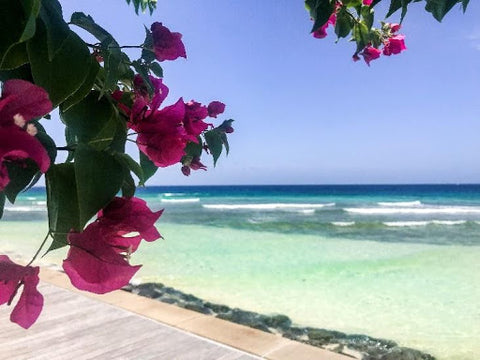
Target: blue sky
305, 112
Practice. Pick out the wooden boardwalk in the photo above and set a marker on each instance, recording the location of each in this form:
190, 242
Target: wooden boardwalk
76, 327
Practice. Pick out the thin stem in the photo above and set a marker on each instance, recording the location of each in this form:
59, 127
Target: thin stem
65, 148
98, 46
39, 249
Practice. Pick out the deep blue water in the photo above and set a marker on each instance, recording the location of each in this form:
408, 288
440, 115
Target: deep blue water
437, 214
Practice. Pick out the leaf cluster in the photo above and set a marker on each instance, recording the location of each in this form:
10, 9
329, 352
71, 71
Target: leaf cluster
355, 18
39, 46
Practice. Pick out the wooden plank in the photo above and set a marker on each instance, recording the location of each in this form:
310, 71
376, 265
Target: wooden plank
76, 327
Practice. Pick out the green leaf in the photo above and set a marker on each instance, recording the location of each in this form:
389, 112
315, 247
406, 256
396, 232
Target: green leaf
109, 48
17, 25
131, 165
56, 28
85, 88
361, 35
194, 149
320, 11
16, 57
144, 4
47, 142
20, 176
92, 120
71, 140
128, 187
120, 137
156, 69
344, 23
214, 143
23, 72
225, 142
439, 8
99, 177
147, 53
142, 70
368, 16
148, 167
31, 10
2, 203
465, 4
64, 75
62, 203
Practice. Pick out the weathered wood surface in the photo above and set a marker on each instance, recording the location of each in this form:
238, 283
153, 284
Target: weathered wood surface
76, 327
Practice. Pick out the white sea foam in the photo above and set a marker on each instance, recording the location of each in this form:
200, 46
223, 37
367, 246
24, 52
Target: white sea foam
446, 210
43, 203
25, 208
307, 211
173, 194
400, 203
181, 201
423, 223
272, 206
343, 223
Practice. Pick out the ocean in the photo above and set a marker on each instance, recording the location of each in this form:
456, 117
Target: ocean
399, 262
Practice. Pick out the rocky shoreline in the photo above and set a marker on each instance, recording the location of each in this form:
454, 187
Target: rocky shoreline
360, 347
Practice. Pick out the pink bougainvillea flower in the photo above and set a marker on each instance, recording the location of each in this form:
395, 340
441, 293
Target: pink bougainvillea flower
355, 57
215, 108
321, 32
21, 101
18, 145
167, 45
20, 97
160, 91
161, 135
193, 122
94, 265
125, 215
395, 27
394, 45
367, 2
370, 53
12, 276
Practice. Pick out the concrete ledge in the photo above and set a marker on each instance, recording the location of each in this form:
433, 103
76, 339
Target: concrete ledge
256, 342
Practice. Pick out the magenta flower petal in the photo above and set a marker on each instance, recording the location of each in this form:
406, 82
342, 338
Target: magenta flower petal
215, 108
394, 45
162, 150
130, 215
24, 98
167, 45
30, 304
370, 53
193, 122
94, 265
15, 145
12, 277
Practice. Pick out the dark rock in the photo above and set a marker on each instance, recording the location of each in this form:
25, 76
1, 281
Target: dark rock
294, 333
216, 308
401, 353
247, 318
151, 290
320, 335
167, 300
198, 308
282, 322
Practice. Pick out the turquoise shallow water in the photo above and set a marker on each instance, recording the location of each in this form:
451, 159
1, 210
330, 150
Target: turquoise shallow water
402, 265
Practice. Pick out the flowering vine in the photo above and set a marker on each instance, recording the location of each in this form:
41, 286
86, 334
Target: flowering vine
104, 99
355, 18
